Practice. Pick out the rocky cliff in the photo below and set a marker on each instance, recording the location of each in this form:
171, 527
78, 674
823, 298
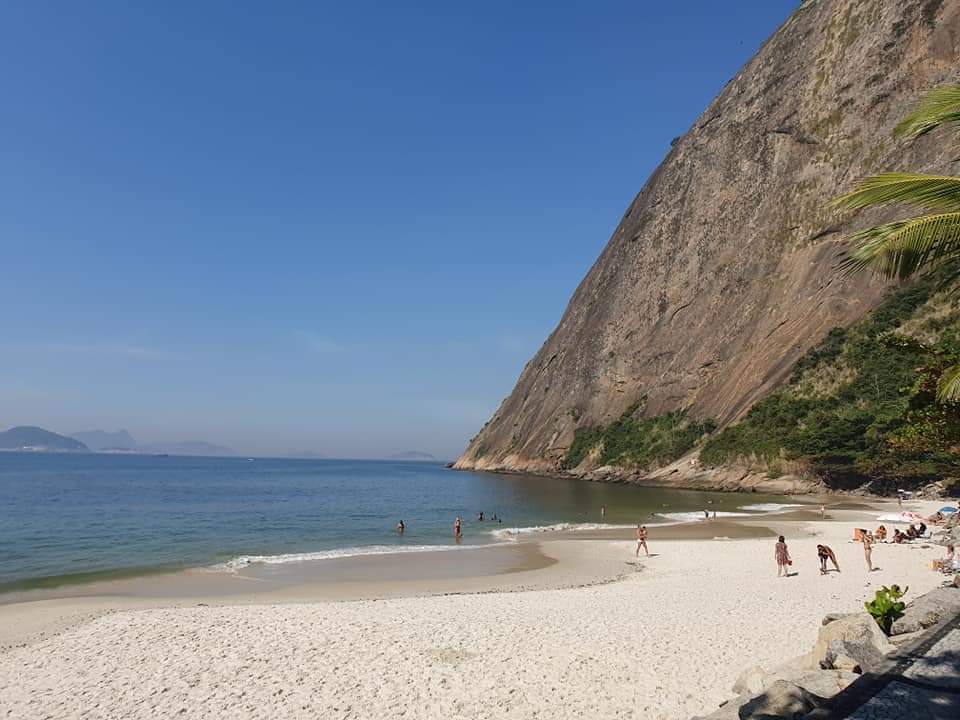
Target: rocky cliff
722, 272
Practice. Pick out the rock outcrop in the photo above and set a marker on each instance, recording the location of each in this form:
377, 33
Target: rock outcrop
723, 271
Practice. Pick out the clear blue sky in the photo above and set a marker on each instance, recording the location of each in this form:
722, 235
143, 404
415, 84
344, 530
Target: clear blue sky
339, 227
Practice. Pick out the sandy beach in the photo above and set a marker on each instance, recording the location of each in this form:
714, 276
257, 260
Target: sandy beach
573, 628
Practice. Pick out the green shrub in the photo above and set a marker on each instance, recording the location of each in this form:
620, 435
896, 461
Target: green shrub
886, 606
878, 420
639, 442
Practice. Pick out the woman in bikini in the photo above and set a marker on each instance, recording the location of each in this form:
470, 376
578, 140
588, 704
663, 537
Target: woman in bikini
782, 555
642, 539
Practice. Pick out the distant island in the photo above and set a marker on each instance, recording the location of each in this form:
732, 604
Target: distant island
26, 438
102, 441
414, 455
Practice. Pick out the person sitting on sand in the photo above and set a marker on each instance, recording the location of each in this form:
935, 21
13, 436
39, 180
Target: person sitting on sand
881, 533
401, 527
826, 553
911, 533
642, 540
898, 537
782, 554
921, 529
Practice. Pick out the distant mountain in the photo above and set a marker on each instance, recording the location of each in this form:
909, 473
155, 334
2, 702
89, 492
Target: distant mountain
187, 447
414, 455
98, 440
39, 440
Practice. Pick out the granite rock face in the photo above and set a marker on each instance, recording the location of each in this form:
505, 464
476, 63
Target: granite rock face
722, 271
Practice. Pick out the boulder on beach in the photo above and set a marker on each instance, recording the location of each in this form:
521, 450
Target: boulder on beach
782, 699
858, 629
927, 610
856, 657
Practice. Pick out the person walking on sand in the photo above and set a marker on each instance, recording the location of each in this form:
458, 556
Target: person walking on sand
642, 540
782, 555
825, 553
867, 541
457, 532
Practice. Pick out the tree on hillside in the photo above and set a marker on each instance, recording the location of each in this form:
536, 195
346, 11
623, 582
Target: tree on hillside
922, 244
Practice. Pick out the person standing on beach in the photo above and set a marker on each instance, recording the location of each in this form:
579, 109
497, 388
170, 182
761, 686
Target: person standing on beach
823, 512
603, 511
782, 555
457, 532
867, 541
642, 540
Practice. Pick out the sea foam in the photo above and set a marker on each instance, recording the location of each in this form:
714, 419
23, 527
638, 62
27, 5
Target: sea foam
243, 561
698, 515
514, 532
771, 507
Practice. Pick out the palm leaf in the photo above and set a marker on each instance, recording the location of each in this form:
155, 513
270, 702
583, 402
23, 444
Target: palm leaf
935, 108
903, 248
931, 192
949, 386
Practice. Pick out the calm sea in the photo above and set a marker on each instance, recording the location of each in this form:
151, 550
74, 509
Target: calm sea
70, 518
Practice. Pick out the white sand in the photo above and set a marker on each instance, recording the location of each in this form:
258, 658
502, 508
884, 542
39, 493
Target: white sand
664, 642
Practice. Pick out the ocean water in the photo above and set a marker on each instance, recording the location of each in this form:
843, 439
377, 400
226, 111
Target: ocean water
72, 518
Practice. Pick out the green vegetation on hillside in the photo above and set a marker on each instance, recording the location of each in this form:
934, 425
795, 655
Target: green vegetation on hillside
638, 442
924, 243
862, 405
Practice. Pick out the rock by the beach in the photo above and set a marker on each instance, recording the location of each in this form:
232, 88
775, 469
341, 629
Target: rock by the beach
781, 700
858, 657
752, 681
823, 683
816, 684
859, 628
832, 617
927, 610
905, 638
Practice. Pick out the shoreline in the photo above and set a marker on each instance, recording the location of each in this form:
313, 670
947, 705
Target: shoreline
545, 559
568, 624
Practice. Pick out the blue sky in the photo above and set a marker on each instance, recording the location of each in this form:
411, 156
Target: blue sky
338, 227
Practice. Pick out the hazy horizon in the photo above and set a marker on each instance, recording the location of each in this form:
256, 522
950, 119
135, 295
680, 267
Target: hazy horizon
331, 229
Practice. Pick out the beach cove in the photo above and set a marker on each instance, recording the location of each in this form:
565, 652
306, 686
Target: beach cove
560, 626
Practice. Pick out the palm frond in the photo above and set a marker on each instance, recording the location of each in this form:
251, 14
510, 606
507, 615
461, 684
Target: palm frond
935, 108
949, 387
931, 192
903, 248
